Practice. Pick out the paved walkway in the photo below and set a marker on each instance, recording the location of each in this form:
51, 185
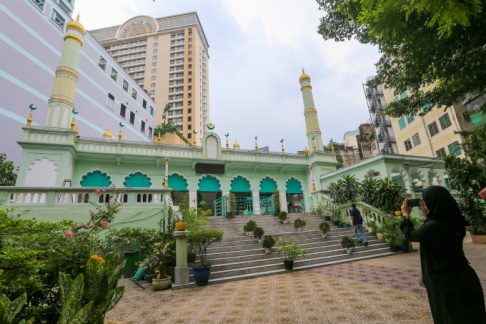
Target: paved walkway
383, 290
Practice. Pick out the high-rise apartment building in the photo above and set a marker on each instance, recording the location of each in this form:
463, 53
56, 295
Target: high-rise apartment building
168, 57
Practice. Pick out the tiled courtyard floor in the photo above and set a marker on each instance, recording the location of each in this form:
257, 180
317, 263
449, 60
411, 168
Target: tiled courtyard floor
384, 290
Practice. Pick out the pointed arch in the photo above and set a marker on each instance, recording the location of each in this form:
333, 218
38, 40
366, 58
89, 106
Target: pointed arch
137, 180
41, 173
293, 186
96, 178
209, 183
240, 184
177, 182
268, 185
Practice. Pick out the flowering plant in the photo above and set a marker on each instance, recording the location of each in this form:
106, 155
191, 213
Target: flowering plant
289, 249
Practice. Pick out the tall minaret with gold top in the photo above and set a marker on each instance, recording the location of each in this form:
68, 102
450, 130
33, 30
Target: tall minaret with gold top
311, 122
61, 102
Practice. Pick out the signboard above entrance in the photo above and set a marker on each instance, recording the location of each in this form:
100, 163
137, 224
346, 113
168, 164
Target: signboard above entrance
209, 168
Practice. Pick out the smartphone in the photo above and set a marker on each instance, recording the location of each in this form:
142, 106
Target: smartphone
413, 202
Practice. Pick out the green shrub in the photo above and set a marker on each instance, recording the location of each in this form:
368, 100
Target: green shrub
348, 242
251, 225
258, 232
203, 238
324, 227
298, 223
268, 241
282, 215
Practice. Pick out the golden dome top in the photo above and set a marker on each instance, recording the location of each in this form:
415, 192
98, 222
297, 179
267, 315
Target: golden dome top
76, 25
107, 134
236, 145
304, 76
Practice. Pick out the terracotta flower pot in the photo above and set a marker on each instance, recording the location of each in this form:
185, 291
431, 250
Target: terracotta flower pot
478, 238
181, 226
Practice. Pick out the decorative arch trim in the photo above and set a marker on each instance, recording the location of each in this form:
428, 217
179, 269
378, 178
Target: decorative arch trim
178, 182
96, 178
240, 184
209, 183
293, 186
137, 180
268, 185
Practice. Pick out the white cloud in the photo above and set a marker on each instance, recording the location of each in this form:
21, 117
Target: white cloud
257, 50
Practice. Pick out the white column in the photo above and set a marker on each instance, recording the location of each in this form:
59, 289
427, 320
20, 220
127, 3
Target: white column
256, 202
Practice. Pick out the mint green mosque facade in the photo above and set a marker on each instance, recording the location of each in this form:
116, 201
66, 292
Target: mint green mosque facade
60, 168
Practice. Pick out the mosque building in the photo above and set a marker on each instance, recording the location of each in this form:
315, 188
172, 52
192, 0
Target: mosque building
61, 167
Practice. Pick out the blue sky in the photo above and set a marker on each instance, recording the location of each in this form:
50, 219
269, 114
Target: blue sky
257, 51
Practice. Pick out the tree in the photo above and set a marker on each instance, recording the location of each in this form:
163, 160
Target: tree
7, 176
424, 43
167, 127
334, 147
468, 177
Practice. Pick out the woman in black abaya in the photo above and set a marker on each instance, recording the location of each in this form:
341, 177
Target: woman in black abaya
453, 288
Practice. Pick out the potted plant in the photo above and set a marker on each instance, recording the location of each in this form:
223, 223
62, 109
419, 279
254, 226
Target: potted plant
324, 228
299, 224
202, 239
268, 243
348, 244
289, 249
283, 216
276, 202
392, 234
249, 227
160, 260
258, 233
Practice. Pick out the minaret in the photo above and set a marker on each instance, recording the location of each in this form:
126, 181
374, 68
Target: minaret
61, 103
311, 122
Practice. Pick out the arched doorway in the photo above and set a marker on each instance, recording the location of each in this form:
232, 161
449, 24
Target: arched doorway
178, 184
295, 196
209, 189
267, 186
240, 187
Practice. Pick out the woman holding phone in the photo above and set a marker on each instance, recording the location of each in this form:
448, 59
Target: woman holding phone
453, 287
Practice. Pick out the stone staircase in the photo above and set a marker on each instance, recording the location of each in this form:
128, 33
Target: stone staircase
240, 257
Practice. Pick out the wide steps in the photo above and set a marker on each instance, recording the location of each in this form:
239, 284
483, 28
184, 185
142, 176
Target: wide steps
239, 256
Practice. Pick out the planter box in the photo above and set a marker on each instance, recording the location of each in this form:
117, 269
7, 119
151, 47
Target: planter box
478, 239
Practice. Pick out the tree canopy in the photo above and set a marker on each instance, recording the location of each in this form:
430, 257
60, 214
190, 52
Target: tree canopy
7, 175
440, 44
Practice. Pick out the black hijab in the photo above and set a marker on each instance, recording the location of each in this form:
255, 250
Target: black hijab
444, 208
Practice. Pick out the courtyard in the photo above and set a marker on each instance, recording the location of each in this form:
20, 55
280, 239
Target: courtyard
382, 290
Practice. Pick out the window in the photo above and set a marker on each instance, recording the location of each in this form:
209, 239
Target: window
110, 102
445, 121
156, 37
189, 118
125, 85
152, 77
433, 129
154, 51
40, 3
454, 149
154, 64
144, 104
402, 123
189, 135
416, 139
156, 44
114, 74
154, 71
150, 132
142, 126
102, 62
134, 94
408, 144
441, 153
189, 110
57, 18
123, 110
152, 85
426, 107
151, 110
132, 117
154, 57
410, 118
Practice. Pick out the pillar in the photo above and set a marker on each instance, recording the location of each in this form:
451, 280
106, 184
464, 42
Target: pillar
181, 271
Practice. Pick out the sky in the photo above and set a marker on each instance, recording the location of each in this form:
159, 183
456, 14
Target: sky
257, 50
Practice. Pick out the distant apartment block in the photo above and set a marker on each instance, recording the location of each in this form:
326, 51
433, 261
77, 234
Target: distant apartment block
168, 57
31, 44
